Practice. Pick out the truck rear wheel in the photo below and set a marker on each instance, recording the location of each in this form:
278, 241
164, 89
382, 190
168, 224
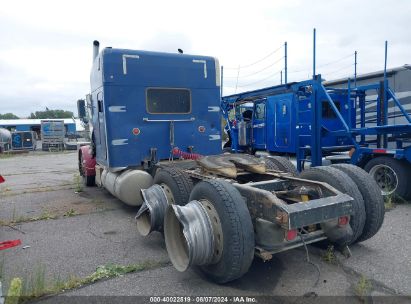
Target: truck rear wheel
345, 184
283, 164
269, 164
90, 181
237, 229
176, 184
390, 174
373, 200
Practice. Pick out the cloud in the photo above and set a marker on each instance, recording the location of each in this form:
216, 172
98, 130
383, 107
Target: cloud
168, 41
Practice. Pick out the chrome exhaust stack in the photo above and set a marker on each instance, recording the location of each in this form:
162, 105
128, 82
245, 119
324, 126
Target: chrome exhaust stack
189, 235
96, 46
150, 217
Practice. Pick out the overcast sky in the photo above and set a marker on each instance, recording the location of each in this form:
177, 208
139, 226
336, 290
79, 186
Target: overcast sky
45, 46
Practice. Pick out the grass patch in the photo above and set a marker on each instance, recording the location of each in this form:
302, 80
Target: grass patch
46, 215
329, 255
389, 202
4, 191
14, 292
78, 183
35, 286
6, 155
363, 287
70, 213
9, 192
2, 268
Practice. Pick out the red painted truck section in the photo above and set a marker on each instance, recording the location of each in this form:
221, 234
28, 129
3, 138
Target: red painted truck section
88, 161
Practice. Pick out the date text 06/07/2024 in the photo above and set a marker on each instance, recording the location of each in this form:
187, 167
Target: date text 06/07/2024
202, 299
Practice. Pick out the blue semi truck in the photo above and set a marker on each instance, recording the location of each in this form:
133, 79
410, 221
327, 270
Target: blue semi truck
155, 125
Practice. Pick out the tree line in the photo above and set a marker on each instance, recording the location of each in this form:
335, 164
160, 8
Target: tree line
46, 114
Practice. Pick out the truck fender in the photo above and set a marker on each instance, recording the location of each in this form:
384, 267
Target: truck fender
88, 161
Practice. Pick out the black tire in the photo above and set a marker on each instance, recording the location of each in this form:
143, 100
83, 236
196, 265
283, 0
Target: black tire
269, 164
345, 184
283, 164
80, 164
90, 181
179, 183
399, 167
373, 199
237, 227
227, 145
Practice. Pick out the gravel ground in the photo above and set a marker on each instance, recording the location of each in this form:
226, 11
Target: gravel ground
71, 233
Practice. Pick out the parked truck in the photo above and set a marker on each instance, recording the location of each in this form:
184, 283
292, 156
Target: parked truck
16, 140
313, 122
5, 140
23, 140
156, 145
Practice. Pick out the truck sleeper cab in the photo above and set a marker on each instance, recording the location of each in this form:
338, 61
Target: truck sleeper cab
144, 104
273, 120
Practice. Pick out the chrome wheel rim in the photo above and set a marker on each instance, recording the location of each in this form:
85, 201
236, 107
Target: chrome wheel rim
386, 178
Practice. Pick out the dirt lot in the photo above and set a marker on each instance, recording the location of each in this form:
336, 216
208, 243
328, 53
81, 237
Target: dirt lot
67, 232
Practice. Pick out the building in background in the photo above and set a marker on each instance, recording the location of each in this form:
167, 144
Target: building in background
399, 80
71, 125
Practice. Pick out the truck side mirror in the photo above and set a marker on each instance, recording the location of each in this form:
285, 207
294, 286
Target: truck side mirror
81, 108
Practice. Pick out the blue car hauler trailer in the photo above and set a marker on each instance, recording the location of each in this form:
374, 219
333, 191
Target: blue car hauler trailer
156, 144
310, 121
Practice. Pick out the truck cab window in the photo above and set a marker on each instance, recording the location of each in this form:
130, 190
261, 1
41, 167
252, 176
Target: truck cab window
259, 111
168, 101
100, 102
247, 115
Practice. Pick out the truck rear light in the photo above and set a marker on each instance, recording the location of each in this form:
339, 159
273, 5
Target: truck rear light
343, 220
1, 179
136, 131
291, 234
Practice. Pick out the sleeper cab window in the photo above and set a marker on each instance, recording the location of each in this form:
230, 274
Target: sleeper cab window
168, 101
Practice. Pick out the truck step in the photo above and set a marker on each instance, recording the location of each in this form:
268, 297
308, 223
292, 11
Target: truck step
339, 157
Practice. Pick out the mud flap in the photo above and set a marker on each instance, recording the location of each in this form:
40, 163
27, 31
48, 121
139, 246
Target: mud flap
337, 234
